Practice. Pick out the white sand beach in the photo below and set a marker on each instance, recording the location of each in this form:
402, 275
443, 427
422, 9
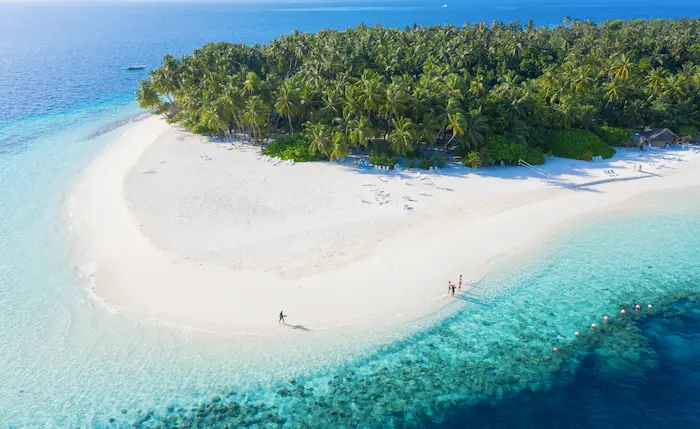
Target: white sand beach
214, 238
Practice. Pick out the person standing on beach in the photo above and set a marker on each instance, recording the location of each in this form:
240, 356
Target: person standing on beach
460, 282
449, 288
282, 316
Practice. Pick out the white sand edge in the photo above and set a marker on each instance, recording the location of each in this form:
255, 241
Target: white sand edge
398, 278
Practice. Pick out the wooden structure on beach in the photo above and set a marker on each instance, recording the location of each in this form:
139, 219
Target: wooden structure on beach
657, 137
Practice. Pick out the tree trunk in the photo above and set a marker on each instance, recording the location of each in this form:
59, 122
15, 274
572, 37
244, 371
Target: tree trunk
449, 141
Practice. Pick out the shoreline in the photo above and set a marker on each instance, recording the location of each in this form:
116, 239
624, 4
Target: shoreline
393, 263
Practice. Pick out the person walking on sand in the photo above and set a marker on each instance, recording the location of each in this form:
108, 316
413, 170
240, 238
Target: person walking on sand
449, 288
282, 316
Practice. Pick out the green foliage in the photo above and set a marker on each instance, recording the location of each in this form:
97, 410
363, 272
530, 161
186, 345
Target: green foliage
426, 162
614, 136
578, 144
473, 159
383, 159
449, 86
290, 146
500, 148
688, 130
417, 159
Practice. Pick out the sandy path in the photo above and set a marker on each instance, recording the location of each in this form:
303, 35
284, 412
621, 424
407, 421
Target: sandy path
225, 244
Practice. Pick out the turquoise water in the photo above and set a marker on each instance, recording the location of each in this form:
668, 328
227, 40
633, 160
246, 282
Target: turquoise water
496, 353
67, 362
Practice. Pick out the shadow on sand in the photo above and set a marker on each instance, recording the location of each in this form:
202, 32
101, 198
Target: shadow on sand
299, 328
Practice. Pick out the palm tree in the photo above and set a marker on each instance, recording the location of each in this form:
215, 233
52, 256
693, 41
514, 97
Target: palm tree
287, 101
394, 103
622, 66
332, 100
477, 88
429, 130
612, 90
370, 96
475, 128
165, 78
255, 115
146, 96
656, 79
360, 132
401, 137
456, 124
252, 83
454, 86
473, 159
362, 80
234, 102
214, 117
340, 146
518, 130
582, 79
319, 137
565, 114
674, 87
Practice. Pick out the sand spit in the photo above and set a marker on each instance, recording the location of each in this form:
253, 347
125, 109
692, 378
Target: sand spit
216, 238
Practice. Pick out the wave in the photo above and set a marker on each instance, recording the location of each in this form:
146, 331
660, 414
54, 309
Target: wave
117, 124
73, 125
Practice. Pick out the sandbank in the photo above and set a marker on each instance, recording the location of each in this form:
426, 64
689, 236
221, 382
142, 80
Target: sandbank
212, 237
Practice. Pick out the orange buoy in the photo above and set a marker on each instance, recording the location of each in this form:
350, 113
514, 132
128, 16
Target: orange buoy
637, 307
593, 326
576, 334
606, 318
649, 306
623, 312
556, 349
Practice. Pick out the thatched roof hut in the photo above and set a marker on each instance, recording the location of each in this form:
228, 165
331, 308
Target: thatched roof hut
657, 137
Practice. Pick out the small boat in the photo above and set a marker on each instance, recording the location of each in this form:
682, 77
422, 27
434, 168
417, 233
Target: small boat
444, 5
136, 66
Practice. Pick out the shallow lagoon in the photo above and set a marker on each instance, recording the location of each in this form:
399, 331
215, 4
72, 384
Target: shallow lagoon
68, 362
497, 349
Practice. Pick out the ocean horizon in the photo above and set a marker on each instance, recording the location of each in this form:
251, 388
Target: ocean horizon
483, 362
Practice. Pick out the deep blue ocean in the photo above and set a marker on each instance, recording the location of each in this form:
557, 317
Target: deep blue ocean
64, 85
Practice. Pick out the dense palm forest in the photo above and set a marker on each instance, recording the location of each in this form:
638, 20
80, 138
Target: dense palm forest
447, 87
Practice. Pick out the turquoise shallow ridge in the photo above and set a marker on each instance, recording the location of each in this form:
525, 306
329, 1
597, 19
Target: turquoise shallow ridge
499, 345
66, 362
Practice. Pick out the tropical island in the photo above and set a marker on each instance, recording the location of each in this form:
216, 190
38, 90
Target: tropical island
207, 218
499, 92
